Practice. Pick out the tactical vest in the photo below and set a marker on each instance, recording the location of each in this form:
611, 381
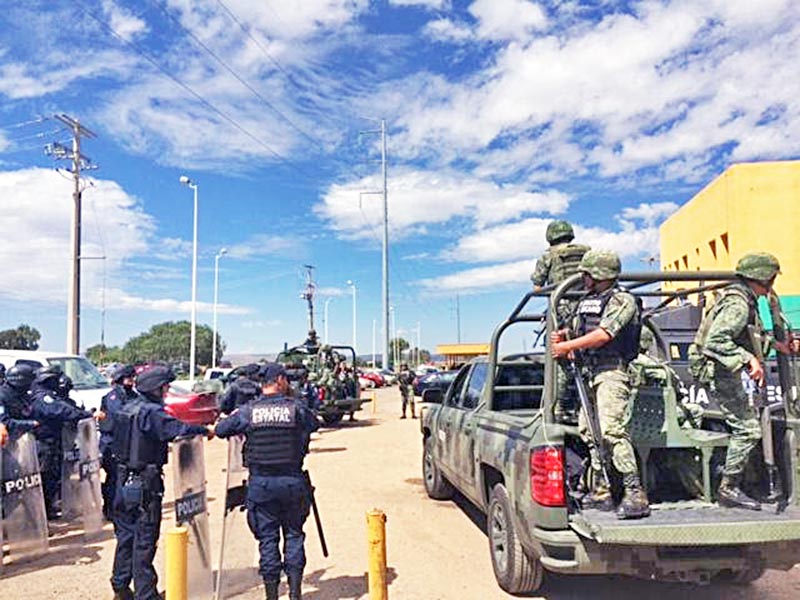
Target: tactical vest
132, 448
274, 437
564, 261
624, 347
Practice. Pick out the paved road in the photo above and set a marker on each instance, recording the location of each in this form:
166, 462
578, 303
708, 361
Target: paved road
436, 550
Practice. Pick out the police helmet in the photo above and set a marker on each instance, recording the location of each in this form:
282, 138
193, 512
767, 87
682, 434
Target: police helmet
48, 376
153, 378
20, 376
2, 371
123, 372
250, 371
559, 231
758, 266
600, 264
64, 384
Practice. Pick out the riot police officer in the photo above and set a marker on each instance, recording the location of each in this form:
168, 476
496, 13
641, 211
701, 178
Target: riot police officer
15, 404
240, 391
142, 430
52, 412
608, 326
2, 373
122, 392
278, 431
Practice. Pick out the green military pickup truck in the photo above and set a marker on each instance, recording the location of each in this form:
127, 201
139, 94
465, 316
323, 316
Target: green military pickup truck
493, 436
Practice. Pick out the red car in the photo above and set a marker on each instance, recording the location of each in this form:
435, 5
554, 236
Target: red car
376, 378
195, 408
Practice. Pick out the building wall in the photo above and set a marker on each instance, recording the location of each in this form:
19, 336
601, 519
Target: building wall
750, 207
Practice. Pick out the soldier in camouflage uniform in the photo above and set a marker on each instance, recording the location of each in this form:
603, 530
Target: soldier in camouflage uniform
608, 324
558, 262
730, 339
405, 381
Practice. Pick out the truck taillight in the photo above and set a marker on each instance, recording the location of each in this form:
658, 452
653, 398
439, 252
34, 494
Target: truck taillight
547, 476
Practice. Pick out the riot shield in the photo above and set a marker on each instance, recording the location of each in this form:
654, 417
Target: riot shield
191, 511
91, 499
238, 555
70, 473
24, 518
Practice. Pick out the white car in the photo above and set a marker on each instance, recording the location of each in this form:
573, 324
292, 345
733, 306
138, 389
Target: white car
89, 386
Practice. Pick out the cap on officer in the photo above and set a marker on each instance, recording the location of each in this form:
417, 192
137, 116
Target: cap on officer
270, 372
600, 264
122, 372
153, 378
559, 231
758, 266
20, 376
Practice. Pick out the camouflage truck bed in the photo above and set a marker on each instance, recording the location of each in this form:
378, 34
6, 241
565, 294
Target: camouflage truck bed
700, 525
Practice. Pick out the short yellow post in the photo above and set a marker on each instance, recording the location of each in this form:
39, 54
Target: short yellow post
376, 539
374, 408
176, 563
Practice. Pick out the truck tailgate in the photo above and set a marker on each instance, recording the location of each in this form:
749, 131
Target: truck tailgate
698, 525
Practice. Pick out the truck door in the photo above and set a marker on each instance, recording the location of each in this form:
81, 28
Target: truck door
447, 425
465, 455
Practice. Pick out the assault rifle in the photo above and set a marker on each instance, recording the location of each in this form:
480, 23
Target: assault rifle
317, 520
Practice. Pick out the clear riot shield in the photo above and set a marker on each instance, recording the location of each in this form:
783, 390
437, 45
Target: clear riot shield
91, 499
70, 473
238, 556
24, 518
191, 511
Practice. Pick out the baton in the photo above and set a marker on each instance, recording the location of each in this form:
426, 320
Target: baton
317, 520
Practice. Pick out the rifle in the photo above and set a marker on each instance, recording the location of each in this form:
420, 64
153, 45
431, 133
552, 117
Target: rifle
317, 520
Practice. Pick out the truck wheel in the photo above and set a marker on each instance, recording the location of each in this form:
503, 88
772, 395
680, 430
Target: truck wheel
515, 571
436, 485
739, 576
332, 418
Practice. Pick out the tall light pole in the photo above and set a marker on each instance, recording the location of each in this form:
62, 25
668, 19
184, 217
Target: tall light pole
193, 338
325, 318
374, 326
220, 254
394, 336
353, 289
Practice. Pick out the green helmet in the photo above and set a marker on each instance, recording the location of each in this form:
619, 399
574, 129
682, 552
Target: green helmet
558, 231
600, 264
760, 266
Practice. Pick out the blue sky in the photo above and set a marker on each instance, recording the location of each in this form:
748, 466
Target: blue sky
502, 115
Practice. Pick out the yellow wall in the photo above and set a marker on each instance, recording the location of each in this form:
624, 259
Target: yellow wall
751, 207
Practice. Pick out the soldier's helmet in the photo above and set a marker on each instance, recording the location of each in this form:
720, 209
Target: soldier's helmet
48, 376
20, 377
759, 266
559, 231
153, 378
600, 264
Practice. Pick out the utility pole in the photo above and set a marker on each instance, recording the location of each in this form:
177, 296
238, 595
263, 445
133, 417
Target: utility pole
79, 161
419, 342
458, 317
385, 269
308, 296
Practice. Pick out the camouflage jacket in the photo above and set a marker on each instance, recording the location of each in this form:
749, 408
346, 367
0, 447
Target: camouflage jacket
557, 263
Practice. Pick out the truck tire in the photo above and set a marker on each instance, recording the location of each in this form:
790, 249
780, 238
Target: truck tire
515, 571
332, 418
739, 576
436, 485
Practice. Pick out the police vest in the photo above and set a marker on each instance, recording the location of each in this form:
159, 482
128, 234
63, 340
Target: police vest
274, 437
564, 261
134, 449
621, 349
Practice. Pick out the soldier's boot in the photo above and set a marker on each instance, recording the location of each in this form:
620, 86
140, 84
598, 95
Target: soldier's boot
731, 495
634, 503
123, 594
413, 414
271, 588
403, 416
599, 498
775, 491
295, 584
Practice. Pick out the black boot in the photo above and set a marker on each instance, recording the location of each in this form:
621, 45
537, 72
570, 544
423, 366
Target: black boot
731, 496
634, 503
295, 583
271, 588
123, 594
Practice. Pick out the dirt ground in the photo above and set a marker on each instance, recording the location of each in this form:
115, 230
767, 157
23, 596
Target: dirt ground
435, 550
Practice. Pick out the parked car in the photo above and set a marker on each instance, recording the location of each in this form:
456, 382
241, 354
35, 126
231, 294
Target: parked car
437, 380
365, 383
426, 369
389, 375
196, 407
375, 377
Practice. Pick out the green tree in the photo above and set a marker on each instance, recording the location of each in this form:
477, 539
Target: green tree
170, 342
23, 337
100, 354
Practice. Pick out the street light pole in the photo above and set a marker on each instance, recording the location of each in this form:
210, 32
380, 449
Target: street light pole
353, 289
325, 318
193, 337
219, 255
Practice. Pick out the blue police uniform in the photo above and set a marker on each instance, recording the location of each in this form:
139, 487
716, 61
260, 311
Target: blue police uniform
15, 410
240, 392
111, 404
142, 430
278, 430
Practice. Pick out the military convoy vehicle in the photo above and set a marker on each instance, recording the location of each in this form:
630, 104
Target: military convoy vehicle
329, 373
494, 437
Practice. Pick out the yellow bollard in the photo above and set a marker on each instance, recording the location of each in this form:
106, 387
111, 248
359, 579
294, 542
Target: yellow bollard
376, 539
374, 408
176, 563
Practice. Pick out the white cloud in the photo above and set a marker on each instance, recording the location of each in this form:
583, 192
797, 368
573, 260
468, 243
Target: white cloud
447, 30
265, 245
430, 4
127, 25
507, 19
514, 274
649, 213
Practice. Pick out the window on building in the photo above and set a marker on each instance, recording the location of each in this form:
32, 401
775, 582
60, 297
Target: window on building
724, 238
712, 245
685, 261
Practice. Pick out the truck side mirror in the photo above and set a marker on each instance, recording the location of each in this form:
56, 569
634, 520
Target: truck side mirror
433, 395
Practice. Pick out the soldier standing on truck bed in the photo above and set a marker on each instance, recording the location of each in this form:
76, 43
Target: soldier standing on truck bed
728, 340
608, 325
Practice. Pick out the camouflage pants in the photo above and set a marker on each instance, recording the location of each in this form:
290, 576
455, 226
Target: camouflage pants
740, 417
407, 395
613, 402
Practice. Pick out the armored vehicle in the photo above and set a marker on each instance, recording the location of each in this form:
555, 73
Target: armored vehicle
495, 436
